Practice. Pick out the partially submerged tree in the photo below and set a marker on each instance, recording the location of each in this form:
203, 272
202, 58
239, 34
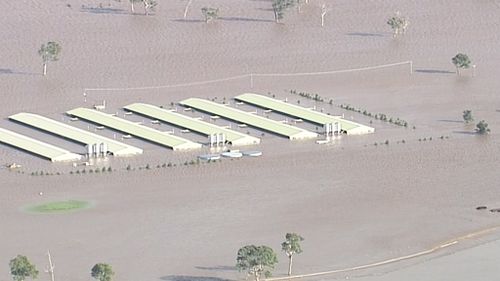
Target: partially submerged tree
461, 61
49, 52
21, 268
186, 9
324, 10
291, 246
210, 14
132, 4
300, 3
280, 7
482, 127
467, 115
149, 5
398, 23
102, 272
257, 261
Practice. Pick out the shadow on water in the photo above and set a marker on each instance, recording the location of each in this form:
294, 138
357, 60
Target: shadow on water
102, 10
451, 121
434, 71
15, 72
224, 19
191, 278
217, 268
365, 34
244, 19
188, 20
465, 132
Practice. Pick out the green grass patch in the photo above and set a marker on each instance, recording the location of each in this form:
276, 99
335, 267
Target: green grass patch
59, 206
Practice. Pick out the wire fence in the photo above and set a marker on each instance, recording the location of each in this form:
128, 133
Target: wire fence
251, 76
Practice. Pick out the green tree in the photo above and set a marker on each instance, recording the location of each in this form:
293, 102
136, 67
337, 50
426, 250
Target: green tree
467, 115
21, 268
102, 272
49, 52
398, 23
279, 8
256, 260
461, 61
482, 127
210, 14
291, 246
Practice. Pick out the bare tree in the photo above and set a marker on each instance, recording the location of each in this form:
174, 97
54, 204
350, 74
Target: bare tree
324, 10
186, 9
50, 268
149, 5
132, 5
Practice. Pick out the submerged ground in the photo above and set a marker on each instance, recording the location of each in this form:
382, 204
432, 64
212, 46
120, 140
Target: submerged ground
354, 202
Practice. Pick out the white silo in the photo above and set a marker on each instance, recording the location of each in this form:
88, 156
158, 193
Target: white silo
104, 149
97, 149
90, 150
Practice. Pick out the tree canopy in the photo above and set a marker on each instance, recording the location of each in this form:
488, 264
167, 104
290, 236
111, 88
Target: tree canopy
256, 260
482, 127
280, 6
210, 14
102, 272
49, 52
467, 115
398, 23
291, 246
461, 61
21, 268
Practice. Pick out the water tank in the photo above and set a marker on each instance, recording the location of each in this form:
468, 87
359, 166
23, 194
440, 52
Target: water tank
97, 149
104, 148
89, 149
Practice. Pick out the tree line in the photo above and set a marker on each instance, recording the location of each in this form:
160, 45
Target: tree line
256, 261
